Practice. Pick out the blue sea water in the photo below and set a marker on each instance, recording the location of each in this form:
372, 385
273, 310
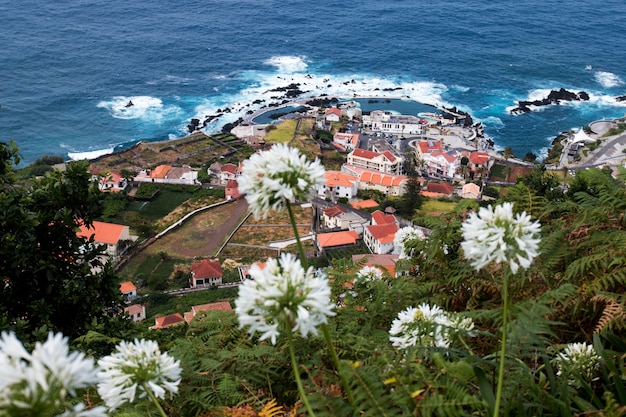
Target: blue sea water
68, 68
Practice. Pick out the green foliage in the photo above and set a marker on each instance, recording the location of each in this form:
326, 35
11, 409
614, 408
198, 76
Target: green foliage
49, 279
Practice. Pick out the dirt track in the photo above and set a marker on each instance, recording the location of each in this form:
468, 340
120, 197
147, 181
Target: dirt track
202, 235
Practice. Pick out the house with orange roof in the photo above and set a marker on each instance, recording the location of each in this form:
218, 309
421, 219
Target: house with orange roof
386, 261
479, 164
385, 162
110, 234
332, 114
335, 240
379, 237
219, 306
388, 184
110, 181
137, 312
426, 147
167, 174
205, 273
346, 141
228, 172
232, 190
470, 190
128, 290
380, 218
338, 184
170, 320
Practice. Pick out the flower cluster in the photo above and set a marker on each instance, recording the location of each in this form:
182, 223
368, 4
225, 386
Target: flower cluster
44, 380
368, 274
427, 326
402, 237
278, 175
578, 360
494, 235
135, 368
282, 293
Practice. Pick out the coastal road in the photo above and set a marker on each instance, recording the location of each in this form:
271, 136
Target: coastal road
611, 152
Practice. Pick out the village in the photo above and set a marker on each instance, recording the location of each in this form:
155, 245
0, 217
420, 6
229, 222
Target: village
452, 158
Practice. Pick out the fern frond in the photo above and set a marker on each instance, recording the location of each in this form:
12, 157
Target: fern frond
614, 312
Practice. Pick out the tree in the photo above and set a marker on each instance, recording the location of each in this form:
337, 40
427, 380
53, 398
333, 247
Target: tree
508, 153
411, 199
52, 279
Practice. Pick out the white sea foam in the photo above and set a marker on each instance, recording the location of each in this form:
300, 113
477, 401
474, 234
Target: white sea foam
493, 121
77, 156
608, 79
288, 63
139, 107
262, 87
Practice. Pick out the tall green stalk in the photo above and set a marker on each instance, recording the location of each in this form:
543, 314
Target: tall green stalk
327, 338
505, 308
296, 372
154, 399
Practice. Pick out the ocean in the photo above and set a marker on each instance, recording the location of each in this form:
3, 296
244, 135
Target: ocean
69, 68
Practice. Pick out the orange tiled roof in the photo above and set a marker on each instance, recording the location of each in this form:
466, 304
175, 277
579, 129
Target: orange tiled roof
230, 168
160, 171
387, 261
333, 110
134, 309
339, 179
102, 232
127, 286
440, 187
206, 269
168, 321
327, 240
430, 146
384, 233
365, 204
378, 217
479, 158
389, 156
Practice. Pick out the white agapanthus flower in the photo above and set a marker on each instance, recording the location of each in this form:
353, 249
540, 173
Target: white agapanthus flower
427, 326
369, 274
278, 175
577, 360
134, 368
495, 235
46, 379
283, 295
403, 236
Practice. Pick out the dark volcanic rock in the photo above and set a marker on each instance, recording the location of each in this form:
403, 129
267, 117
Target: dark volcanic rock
620, 98
555, 97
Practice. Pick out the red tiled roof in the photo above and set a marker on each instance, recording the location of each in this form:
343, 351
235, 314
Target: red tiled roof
387, 261
440, 187
389, 156
206, 269
378, 217
384, 233
364, 153
167, 321
430, 146
230, 168
333, 110
109, 233
479, 158
127, 286
334, 211
326, 240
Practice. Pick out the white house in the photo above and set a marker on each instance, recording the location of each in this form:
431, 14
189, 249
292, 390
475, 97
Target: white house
338, 184
347, 141
205, 273
382, 162
386, 122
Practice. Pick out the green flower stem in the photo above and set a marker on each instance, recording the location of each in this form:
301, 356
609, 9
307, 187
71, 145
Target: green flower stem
298, 241
154, 399
296, 373
333, 354
505, 308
